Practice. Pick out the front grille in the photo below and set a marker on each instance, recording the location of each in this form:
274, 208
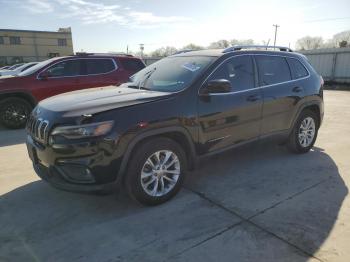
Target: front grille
38, 128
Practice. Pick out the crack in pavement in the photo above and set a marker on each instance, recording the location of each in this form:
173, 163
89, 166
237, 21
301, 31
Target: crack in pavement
248, 220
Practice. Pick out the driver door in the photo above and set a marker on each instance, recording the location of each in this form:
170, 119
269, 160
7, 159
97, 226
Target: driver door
65, 76
234, 117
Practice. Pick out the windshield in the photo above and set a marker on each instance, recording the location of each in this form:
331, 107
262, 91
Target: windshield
36, 67
171, 74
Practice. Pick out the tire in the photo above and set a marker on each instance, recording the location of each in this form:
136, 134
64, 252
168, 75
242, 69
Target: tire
301, 146
14, 112
145, 161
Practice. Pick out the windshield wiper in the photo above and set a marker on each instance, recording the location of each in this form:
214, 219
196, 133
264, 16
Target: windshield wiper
138, 87
147, 76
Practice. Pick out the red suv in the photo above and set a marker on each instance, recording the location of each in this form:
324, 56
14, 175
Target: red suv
19, 94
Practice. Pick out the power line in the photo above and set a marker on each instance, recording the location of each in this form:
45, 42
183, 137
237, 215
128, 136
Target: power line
326, 19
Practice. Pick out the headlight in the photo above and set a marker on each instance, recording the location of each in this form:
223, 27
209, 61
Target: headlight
83, 131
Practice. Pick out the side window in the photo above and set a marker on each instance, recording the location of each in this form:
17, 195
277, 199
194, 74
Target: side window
98, 66
297, 69
272, 70
65, 68
239, 71
133, 65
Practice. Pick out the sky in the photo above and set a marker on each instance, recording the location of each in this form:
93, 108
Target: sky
112, 25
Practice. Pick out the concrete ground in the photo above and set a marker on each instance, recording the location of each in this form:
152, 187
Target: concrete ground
257, 203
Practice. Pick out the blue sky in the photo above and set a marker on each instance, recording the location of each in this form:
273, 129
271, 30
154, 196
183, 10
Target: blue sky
111, 25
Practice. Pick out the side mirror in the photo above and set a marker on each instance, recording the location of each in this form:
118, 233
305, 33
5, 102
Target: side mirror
43, 76
217, 86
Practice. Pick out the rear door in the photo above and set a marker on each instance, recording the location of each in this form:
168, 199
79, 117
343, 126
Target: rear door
99, 72
230, 118
281, 93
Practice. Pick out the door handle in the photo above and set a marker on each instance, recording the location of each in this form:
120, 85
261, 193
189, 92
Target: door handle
253, 98
297, 89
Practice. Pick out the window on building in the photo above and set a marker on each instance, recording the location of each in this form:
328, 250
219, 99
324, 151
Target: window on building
272, 70
239, 71
15, 40
62, 42
2, 42
297, 69
51, 55
98, 66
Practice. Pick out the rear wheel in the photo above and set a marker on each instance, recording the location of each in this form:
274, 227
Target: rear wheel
14, 112
156, 171
304, 133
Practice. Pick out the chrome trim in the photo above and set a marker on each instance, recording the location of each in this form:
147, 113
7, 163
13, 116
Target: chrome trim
219, 138
257, 87
38, 129
80, 58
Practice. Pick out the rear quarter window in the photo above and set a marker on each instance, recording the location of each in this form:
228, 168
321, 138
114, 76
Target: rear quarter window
272, 70
132, 65
297, 69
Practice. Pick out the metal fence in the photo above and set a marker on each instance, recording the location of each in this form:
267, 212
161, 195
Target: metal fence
333, 64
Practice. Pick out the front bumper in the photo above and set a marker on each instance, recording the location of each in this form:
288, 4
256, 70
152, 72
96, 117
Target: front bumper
53, 177
81, 167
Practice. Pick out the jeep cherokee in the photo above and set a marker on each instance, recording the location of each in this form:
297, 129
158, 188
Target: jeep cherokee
146, 133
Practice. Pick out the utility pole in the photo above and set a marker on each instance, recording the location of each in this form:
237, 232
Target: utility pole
276, 26
142, 47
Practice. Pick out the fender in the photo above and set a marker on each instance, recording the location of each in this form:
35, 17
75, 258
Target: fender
313, 102
19, 93
153, 132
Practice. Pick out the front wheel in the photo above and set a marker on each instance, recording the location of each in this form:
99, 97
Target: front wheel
156, 171
14, 112
304, 133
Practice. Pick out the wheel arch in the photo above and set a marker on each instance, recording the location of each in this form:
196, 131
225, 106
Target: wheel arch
179, 134
315, 106
19, 94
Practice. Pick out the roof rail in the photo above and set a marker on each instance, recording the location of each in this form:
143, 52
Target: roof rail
240, 47
183, 51
105, 54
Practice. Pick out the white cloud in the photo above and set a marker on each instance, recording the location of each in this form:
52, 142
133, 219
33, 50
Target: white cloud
98, 13
39, 6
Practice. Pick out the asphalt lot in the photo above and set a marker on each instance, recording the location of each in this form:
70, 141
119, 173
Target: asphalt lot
257, 203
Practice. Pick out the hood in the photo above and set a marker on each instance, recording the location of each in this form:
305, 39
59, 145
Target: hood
95, 100
3, 77
12, 83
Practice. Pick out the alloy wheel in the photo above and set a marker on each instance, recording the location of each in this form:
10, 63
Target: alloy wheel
160, 173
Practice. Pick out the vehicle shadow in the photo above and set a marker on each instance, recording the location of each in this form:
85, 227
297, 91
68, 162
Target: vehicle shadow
40, 223
294, 196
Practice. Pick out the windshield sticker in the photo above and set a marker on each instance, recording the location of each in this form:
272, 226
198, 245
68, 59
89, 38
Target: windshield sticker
191, 66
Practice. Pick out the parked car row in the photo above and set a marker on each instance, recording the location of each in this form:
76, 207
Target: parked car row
145, 134
17, 69
20, 93
11, 67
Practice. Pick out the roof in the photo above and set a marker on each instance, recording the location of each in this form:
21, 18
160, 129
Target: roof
34, 31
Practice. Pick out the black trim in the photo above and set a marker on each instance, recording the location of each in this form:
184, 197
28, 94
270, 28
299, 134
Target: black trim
151, 133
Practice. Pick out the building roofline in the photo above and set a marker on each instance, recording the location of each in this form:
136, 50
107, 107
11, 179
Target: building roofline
33, 31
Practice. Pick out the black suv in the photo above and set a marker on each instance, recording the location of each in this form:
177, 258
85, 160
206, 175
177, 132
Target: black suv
145, 134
